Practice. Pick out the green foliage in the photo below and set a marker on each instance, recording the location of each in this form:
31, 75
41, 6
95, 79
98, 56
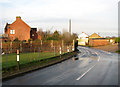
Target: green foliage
30, 39
117, 40
16, 40
118, 51
49, 38
37, 40
47, 35
24, 41
54, 36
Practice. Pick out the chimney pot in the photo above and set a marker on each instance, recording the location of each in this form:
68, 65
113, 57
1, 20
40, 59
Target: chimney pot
18, 17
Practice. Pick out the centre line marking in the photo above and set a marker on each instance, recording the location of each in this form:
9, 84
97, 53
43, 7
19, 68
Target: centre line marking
85, 73
99, 59
98, 56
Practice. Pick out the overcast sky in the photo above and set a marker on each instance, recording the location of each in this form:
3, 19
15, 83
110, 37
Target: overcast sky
100, 16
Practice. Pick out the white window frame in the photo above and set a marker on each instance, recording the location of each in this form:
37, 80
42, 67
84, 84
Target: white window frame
12, 31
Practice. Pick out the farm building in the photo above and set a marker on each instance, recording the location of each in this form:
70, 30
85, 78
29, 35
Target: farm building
96, 40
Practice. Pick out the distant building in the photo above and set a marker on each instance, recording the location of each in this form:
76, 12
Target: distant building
96, 40
19, 29
83, 39
94, 35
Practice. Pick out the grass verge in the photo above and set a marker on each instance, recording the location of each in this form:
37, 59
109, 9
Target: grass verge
9, 60
34, 65
118, 51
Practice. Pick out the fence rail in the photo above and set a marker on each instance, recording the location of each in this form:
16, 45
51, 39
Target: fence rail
32, 51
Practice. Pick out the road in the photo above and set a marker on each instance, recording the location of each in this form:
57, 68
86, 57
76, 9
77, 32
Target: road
90, 67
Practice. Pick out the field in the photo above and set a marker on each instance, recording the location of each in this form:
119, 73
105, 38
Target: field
10, 60
110, 48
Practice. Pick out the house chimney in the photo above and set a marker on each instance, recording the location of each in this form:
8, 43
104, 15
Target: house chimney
18, 17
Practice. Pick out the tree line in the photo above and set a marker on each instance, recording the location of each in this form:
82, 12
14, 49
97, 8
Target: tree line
56, 35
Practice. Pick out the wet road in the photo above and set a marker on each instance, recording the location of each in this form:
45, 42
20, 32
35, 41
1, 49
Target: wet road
90, 67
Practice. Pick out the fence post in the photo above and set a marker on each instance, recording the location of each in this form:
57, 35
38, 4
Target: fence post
21, 46
41, 42
52, 43
34, 53
31, 46
1, 47
60, 52
63, 45
18, 59
11, 46
39, 54
67, 48
54, 50
6, 59
1, 44
73, 47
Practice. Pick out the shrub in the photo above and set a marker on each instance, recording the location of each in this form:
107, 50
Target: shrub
37, 40
16, 40
30, 40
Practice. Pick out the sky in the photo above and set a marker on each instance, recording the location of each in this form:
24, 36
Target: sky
99, 16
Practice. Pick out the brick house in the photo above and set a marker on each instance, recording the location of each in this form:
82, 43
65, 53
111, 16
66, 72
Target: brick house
19, 29
96, 40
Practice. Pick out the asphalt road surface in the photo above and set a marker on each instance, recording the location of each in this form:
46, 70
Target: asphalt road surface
90, 67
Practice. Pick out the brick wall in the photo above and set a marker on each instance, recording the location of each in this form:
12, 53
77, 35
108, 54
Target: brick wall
99, 42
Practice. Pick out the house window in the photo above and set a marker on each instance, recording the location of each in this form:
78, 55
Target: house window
12, 31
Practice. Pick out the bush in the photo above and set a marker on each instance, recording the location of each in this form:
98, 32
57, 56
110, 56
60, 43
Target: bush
30, 40
16, 40
37, 40
24, 41
117, 40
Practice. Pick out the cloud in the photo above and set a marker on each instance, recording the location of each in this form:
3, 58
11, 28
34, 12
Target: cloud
4, 1
88, 15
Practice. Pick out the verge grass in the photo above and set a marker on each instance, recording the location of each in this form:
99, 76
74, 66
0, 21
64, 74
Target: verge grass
10, 60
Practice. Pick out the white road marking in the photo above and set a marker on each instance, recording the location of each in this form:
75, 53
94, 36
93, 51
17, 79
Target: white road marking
98, 56
99, 59
85, 73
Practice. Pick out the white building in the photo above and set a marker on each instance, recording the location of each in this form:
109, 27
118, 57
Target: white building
83, 39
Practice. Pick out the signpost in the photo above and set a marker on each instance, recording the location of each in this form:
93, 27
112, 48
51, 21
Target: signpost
67, 49
73, 47
60, 52
18, 60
